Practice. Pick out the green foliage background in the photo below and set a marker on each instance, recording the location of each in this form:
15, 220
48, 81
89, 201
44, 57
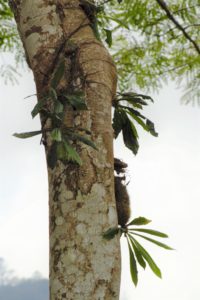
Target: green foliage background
147, 47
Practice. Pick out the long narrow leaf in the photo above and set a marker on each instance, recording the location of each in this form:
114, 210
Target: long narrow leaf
58, 75
145, 97
133, 265
139, 121
132, 111
76, 100
108, 39
38, 107
138, 255
135, 95
133, 101
150, 231
154, 241
147, 257
26, 135
118, 122
75, 136
118, 21
130, 136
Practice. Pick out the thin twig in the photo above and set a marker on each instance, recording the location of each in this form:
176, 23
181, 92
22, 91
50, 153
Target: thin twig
175, 27
185, 8
164, 6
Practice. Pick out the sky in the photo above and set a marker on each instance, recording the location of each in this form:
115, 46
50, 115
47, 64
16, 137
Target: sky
164, 187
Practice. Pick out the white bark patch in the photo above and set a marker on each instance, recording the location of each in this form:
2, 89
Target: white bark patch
112, 214
69, 258
98, 190
81, 229
56, 285
59, 221
41, 25
69, 195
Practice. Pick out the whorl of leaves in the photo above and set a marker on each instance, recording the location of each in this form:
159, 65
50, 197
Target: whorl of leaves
138, 255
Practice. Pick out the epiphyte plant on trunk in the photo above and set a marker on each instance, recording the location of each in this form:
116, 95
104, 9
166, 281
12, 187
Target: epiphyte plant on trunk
62, 136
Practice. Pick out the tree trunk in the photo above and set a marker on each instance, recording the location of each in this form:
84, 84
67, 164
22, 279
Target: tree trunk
81, 198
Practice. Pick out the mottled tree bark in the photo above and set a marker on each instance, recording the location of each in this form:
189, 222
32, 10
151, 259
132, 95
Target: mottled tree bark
81, 198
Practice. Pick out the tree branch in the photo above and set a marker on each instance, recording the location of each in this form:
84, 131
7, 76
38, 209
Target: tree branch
164, 6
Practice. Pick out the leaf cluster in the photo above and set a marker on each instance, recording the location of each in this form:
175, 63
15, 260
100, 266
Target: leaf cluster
127, 108
137, 253
52, 107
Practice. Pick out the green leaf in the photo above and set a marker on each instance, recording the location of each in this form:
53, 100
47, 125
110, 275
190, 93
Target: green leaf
132, 111
111, 233
154, 241
138, 255
133, 265
118, 121
151, 128
58, 75
108, 39
26, 135
147, 257
71, 153
76, 100
139, 121
145, 97
137, 116
65, 152
130, 136
56, 135
139, 221
150, 231
118, 21
58, 107
132, 98
38, 107
53, 94
75, 136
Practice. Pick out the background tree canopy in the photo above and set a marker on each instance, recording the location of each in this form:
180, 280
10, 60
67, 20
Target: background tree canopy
151, 41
